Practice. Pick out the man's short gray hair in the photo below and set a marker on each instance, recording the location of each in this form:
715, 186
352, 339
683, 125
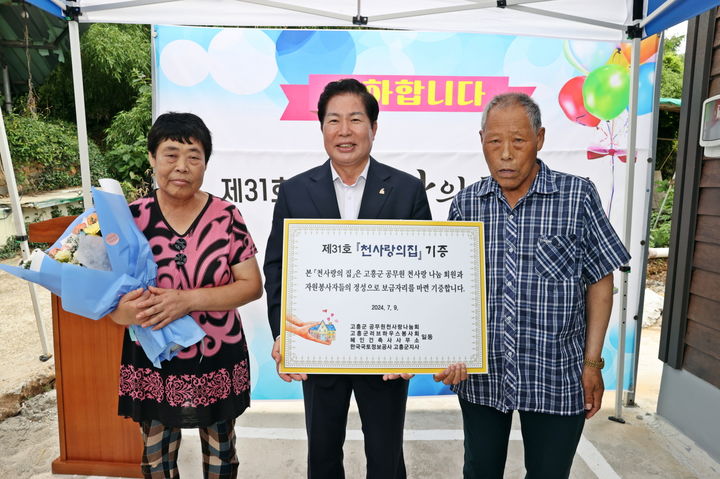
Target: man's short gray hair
508, 99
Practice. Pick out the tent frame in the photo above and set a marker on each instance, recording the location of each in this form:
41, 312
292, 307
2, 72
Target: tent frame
21, 235
634, 31
627, 230
79, 91
516, 4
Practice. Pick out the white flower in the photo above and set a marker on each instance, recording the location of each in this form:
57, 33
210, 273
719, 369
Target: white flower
64, 255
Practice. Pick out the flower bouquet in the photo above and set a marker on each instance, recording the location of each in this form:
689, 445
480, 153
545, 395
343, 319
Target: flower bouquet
100, 257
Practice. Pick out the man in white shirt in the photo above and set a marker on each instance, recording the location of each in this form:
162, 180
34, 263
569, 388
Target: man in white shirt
350, 185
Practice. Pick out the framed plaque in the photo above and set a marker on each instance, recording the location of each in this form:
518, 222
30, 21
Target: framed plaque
383, 296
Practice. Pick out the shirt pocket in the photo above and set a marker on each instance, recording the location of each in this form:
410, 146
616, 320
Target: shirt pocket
555, 257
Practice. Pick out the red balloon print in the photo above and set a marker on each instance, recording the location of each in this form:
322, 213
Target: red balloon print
571, 102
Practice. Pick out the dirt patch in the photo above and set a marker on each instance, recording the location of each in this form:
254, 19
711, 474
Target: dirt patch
657, 269
11, 403
656, 275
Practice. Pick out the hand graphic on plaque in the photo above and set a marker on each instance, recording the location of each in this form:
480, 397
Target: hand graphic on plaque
319, 331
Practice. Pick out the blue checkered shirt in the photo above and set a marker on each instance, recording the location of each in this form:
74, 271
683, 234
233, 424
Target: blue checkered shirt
539, 258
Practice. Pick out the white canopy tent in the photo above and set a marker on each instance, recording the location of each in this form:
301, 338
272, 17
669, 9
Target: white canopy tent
578, 19
610, 20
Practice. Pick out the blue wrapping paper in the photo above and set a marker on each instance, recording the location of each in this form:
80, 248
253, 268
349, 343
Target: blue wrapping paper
93, 293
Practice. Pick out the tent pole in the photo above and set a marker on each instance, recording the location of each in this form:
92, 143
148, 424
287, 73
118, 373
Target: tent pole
74, 32
656, 13
652, 161
20, 228
298, 8
122, 4
61, 5
627, 230
475, 5
6, 89
563, 16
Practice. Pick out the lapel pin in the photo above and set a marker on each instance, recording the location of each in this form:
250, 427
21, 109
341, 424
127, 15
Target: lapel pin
382, 191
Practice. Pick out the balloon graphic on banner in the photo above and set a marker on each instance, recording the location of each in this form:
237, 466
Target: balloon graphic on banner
572, 103
617, 58
606, 91
300, 53
231, 54
392, 61
184, 62
648, 48
614, 338
646, 98
435, 51
590, 55
610, 372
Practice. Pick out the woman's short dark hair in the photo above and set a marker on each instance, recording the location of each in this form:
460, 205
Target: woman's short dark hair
180, 127
348, 86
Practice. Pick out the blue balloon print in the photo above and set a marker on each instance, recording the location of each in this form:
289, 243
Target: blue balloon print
591, 55
613, 337
424, 385
646, 96
291, 40
437, 53
610, 372
302, 52
543, 51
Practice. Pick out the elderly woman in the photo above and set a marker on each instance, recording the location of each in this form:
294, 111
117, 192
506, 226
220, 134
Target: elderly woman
206, 268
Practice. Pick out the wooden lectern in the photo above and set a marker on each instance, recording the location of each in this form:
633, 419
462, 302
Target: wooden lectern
94, 440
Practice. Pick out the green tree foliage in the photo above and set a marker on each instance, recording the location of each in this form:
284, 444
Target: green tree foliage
668, 122
45, 154
660, 220
126, 141
118, 98
113, 56
672, 68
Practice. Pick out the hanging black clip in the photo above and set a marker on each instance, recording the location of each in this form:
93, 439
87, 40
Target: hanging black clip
634, 31
501, 3
72, 13
360, 20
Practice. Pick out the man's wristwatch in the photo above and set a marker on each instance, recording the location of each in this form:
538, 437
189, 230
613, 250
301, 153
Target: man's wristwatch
594, 364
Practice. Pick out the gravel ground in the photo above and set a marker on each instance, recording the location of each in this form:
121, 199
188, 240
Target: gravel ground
22, 374
29, 440
28, 433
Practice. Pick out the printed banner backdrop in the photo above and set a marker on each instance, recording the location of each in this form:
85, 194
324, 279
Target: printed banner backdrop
257, 91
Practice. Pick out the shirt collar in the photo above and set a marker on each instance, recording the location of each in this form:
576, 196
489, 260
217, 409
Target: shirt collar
336, 176
544, 183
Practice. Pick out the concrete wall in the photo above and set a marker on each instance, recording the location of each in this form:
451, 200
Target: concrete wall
692, 406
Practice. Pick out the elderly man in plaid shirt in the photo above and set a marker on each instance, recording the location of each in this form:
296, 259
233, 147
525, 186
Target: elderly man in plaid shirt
550, 253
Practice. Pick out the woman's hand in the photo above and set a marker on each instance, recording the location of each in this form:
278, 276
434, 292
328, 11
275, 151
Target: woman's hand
166, 305
128, 308
163, 306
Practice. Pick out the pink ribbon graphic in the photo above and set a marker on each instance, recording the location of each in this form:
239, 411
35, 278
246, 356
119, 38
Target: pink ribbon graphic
596, 152
420, 93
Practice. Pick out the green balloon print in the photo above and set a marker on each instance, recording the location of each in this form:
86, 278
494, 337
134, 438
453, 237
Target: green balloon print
606, 91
